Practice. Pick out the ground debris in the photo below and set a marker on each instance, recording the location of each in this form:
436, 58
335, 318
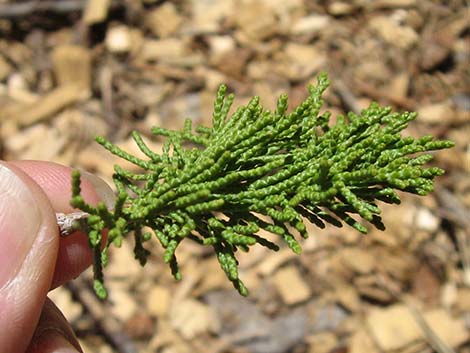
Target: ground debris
110, 67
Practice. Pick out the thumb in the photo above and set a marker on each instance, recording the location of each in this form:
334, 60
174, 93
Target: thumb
28, 250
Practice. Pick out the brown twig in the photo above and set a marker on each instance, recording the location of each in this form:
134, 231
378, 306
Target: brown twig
456, 212
347, 98
108, 324
105, 81
70, 222
452, 208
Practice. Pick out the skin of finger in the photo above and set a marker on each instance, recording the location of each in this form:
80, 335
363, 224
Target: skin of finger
55, 180
51, 322
22, 298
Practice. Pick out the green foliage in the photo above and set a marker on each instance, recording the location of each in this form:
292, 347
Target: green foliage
255, 170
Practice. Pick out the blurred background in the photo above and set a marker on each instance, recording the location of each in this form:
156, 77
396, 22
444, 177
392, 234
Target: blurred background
74, 69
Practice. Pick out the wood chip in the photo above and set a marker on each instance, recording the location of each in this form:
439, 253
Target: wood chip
165, 50
361, 342
48, 105
154, 63
448, 295
36, 142
72, 65
373, 293
18, 90
96, 11
302, 61
347, 296
436, 113
124, 304
158, 300
359, 260
449, 330
393, 33
207, 14
340, 8
426, 220
393, 328
322, 343
399, 86
291, 285
220, 46
119, 39
254, 26
463, 299
233, 63
310, 25
124, 266
79, 127
164, 20
192, 318
273, 261
397, 327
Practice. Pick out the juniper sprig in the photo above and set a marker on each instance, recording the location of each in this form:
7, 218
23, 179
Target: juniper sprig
259, 170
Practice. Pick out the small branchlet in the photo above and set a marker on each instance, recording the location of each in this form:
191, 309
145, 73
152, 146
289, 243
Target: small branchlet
259, 170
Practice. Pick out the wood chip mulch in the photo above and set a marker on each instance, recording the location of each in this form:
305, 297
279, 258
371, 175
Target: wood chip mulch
71, 70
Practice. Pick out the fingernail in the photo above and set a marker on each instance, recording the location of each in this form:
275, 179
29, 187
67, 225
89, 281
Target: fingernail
52, 341
20, 220
103, 190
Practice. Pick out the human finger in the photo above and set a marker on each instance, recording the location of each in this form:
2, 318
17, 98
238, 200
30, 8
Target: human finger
55, 180
29, 244
53, 333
